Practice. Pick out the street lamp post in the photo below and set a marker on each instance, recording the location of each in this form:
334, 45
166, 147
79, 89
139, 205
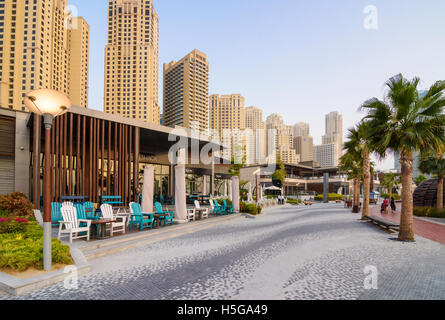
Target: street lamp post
49, 104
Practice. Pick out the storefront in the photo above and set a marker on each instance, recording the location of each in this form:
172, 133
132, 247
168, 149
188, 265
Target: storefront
94, 154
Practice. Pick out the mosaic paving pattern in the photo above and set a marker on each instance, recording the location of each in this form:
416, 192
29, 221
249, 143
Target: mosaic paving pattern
317, 252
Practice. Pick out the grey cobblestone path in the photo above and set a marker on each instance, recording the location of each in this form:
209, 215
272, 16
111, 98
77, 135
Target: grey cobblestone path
317, 252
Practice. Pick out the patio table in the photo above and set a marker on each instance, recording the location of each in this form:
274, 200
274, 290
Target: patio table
157, 219
102, 225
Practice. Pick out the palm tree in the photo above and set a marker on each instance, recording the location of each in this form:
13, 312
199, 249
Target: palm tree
358, 141
406, 122
435, 164
390, 181
351, 164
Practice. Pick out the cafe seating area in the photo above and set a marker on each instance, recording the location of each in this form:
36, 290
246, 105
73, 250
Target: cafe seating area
80, 219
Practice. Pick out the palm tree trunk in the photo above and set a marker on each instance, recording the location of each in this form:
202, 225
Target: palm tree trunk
366, 184
406, 220
440, 192
355, 208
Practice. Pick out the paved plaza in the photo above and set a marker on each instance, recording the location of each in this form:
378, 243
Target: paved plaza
292, 252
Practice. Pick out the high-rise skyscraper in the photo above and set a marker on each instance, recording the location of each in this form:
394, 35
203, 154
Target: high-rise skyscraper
38, 43
186, 91
78, 46
284, 142
334, 129
301, 129
326, 155
131, 60
228, 121
256, 136
304, 146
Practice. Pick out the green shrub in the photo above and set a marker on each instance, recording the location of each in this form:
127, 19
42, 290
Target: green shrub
332, 197
21, 251
16, 204
429, 212
4, 213
250, 208
272, 197
294, 201
9, 225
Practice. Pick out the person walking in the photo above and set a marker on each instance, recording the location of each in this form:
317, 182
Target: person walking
385, 205
393, 205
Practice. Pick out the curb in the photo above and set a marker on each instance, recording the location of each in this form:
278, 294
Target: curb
16, 287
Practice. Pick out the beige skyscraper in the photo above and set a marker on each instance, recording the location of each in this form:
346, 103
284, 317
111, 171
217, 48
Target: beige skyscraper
334, 132
284, 142
79, 48
186, 91
301, 129
228, 120
131, 60
36, 51
304, 146
256, 136
284, 133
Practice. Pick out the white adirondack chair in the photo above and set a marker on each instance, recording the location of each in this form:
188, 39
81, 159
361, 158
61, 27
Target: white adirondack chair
191, 214
67, 204
212, 206
107, 213
204, 213
71, 225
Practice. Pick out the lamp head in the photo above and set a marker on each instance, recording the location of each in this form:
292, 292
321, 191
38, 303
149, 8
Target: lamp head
47, 101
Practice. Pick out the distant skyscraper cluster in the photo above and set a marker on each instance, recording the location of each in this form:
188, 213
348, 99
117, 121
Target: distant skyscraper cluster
42, 46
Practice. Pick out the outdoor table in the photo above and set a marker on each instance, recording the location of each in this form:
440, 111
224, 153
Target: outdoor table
102, 225
157, 219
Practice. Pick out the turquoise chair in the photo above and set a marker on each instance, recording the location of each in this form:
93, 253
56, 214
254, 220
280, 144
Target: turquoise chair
56, 213
143, 220
91, 214
228, 207
219, 208
167, 219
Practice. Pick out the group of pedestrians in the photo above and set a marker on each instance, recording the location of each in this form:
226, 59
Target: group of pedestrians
386, 203
281, 200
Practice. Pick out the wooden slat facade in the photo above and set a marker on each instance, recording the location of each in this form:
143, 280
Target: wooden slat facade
90, 157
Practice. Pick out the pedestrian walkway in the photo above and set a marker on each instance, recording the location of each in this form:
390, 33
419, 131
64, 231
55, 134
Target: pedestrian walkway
430, 230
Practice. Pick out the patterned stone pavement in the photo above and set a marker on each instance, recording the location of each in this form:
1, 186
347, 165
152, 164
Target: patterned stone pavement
432, 229
317, 252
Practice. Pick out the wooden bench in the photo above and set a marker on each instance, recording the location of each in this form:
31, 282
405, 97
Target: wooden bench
384, 223
308, 203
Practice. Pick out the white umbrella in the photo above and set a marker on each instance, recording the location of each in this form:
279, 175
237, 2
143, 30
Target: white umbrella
204, 185
235, 194
147, 189
249, 195
180, 198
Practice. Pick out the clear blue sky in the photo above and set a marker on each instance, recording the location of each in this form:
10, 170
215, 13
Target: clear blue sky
302, 59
